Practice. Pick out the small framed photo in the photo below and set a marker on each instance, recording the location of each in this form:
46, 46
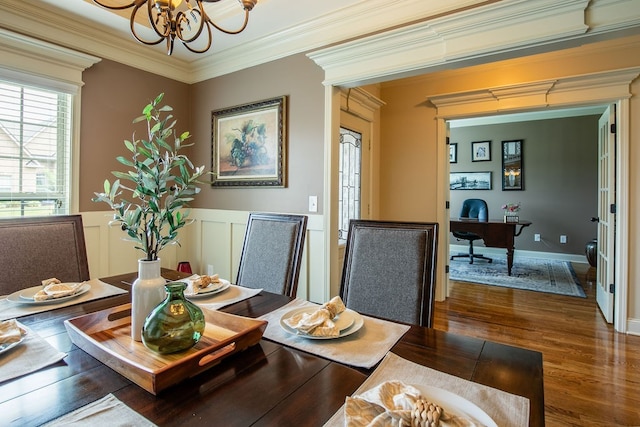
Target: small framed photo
453, 152
481, 151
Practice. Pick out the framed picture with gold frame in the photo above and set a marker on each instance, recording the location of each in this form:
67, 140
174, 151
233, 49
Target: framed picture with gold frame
249, 144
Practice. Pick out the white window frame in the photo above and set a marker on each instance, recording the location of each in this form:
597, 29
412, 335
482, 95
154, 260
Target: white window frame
32, 62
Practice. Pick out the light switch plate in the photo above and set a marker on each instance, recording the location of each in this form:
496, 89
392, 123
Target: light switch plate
313, 203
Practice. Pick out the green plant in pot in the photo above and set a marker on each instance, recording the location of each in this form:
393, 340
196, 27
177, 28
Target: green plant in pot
150, 201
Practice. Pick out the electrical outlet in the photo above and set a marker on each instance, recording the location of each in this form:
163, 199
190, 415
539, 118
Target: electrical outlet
563, 238
210, 270
313, 203
536, 237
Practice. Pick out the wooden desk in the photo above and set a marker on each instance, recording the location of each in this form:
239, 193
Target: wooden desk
495, 234
266, 385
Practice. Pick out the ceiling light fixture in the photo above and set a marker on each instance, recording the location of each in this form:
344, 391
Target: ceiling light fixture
184, 19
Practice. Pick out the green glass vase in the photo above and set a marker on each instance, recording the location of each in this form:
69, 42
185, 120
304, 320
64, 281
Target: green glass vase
176, 324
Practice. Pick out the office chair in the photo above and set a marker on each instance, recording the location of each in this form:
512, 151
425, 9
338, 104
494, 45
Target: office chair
389, 270
472, 208
272, 252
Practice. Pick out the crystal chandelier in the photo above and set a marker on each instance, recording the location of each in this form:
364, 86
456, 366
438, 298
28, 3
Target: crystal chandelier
182, 19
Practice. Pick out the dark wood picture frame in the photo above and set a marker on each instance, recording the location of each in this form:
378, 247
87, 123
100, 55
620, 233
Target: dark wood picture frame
249, 145
512, 165
481, 151
453, 152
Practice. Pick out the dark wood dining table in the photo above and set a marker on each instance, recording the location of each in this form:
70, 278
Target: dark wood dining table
268, 384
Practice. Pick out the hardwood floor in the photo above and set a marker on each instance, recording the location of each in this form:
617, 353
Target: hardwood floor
591, 373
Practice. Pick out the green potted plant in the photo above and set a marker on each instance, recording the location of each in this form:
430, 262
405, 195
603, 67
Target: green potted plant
150, 199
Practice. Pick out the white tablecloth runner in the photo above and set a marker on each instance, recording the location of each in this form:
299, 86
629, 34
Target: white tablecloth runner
98, 290
230, 296
32, 354
108, 411
504, 408
363, 349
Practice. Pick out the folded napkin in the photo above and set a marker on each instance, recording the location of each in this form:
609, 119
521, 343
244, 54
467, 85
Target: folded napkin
57, 290
10, 332
398, 404
197, 283
32, 354
318, 323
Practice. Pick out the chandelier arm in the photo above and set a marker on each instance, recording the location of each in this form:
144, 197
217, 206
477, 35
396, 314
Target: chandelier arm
219, 28
209, 40
135, 34
182, 16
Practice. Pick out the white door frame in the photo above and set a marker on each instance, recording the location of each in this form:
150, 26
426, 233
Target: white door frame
592, 89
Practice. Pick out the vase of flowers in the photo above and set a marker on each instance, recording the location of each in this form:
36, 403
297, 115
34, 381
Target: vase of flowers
150, 199
511, 212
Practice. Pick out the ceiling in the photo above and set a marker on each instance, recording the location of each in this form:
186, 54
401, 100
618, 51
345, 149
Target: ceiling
267, 18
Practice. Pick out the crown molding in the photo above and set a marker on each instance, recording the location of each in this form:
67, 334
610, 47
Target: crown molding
474, 35
42, 21
423, 35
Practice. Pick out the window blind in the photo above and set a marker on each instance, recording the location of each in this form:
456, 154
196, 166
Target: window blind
35, 146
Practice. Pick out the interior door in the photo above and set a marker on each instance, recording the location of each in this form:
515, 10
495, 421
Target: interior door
605, 277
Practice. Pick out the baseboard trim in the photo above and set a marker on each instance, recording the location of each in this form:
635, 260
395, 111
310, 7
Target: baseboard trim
633, 327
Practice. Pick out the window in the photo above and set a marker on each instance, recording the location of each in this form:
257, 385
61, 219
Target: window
35, 148
349, 176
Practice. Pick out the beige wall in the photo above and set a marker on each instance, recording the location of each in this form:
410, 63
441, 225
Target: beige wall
114, 95
409, 130
301, 80
560, 179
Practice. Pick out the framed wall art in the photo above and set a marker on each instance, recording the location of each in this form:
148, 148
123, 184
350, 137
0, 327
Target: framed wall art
470, 181
481, 151
249, 145
453, 152
512, 165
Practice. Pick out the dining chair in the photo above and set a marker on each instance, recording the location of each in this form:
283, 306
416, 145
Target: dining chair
272, 252
36, 248
472, 209
389, 270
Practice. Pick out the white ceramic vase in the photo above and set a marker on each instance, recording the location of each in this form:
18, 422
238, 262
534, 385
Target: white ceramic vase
147, 292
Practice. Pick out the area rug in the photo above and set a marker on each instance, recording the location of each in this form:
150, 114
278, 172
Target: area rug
541, 275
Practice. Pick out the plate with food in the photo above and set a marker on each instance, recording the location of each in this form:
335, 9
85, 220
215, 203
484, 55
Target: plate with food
346, 322
50, 294
205, 286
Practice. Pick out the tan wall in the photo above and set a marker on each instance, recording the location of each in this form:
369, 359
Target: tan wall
301, 80
409, 129
113, 95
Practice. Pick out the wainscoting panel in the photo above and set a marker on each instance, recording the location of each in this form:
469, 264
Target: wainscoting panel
214, 239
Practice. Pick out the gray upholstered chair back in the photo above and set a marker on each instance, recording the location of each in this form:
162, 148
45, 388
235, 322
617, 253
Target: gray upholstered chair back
34, 249
272, 252
389, 270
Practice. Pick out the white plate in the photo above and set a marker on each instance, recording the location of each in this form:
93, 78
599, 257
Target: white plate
9, 346
210, 290
25, 296
454, 404
348, 322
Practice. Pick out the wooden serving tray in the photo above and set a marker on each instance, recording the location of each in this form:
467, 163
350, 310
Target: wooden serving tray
106, 335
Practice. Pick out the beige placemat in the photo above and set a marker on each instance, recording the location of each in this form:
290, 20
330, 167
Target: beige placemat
363, 349
232, 295
99, 289
108, 411
32, 354
505, 409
